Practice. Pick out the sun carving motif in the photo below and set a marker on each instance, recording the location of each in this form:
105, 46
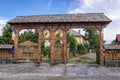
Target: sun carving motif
46, 33
59, 33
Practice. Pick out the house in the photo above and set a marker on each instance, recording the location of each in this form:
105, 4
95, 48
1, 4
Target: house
5, 53
78, 36
118, 38
112, 53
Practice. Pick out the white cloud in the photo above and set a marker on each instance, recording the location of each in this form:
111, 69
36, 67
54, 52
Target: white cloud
2, 23
49, 4
110, 8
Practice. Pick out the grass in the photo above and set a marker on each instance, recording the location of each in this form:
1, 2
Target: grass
45, 59
73, 58
83, 61
94, 62
89, 55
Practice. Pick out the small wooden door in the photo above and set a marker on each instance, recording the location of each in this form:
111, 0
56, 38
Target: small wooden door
58, 55
27, 52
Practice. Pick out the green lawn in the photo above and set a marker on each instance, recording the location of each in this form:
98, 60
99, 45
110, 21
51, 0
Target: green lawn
45, 59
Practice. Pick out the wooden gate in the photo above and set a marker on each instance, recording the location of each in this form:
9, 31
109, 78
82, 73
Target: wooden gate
58, 55
27, 52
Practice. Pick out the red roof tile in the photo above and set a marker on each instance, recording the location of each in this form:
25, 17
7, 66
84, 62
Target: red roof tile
118, 37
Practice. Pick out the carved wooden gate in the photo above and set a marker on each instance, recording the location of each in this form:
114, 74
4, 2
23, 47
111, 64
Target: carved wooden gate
62, 22
27, 52
58, 56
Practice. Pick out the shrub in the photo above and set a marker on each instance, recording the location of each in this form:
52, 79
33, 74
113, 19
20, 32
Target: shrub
81, 49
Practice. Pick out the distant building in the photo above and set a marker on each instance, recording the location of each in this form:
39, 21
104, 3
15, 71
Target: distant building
78, 36
6, 52
118, 38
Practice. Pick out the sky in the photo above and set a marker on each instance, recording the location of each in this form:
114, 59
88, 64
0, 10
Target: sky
111, 8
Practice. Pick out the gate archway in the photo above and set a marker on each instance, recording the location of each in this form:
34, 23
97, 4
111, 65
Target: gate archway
61, 22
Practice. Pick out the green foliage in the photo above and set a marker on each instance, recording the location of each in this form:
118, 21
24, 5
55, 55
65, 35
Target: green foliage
86, 45
6, 35
114, 42
45, 50
58, 35
81, 49
72, 42
28, 35
92, 36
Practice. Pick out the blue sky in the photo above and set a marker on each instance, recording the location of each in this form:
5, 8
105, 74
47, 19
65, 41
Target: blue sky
111, 8
12, 8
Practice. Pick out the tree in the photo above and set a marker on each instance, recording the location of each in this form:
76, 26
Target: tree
6, 35
28, 35
114, 42
81, 49
92, 35
72, 43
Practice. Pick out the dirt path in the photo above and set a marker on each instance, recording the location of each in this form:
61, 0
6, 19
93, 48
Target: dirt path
87, 58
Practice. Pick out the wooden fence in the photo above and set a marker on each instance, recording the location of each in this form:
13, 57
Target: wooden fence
5, 54
112, 55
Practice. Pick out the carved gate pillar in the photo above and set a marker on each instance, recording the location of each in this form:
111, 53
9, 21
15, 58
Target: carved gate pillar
101, 48
65, 46
39, 44
16, 45
52, 45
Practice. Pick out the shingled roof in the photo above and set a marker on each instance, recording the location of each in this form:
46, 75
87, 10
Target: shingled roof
85, 17
6, 46
111, 47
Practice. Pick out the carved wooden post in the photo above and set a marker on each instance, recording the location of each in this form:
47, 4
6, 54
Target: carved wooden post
52, 45
39, 44
101, 49
16, 45
65, 46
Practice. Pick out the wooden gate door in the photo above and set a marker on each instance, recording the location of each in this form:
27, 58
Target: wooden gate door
27, 52
58, 55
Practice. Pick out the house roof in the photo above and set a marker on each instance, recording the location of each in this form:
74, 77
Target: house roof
75, 33
118, 37
84, 17
6, 46
112, 47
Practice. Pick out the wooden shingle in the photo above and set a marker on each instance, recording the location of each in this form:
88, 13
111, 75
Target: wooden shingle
112, 47
6, 46
85, 17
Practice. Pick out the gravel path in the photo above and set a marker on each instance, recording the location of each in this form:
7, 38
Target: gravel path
31, 71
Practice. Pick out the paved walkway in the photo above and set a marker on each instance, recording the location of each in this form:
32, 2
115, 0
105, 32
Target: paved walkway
31, 71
